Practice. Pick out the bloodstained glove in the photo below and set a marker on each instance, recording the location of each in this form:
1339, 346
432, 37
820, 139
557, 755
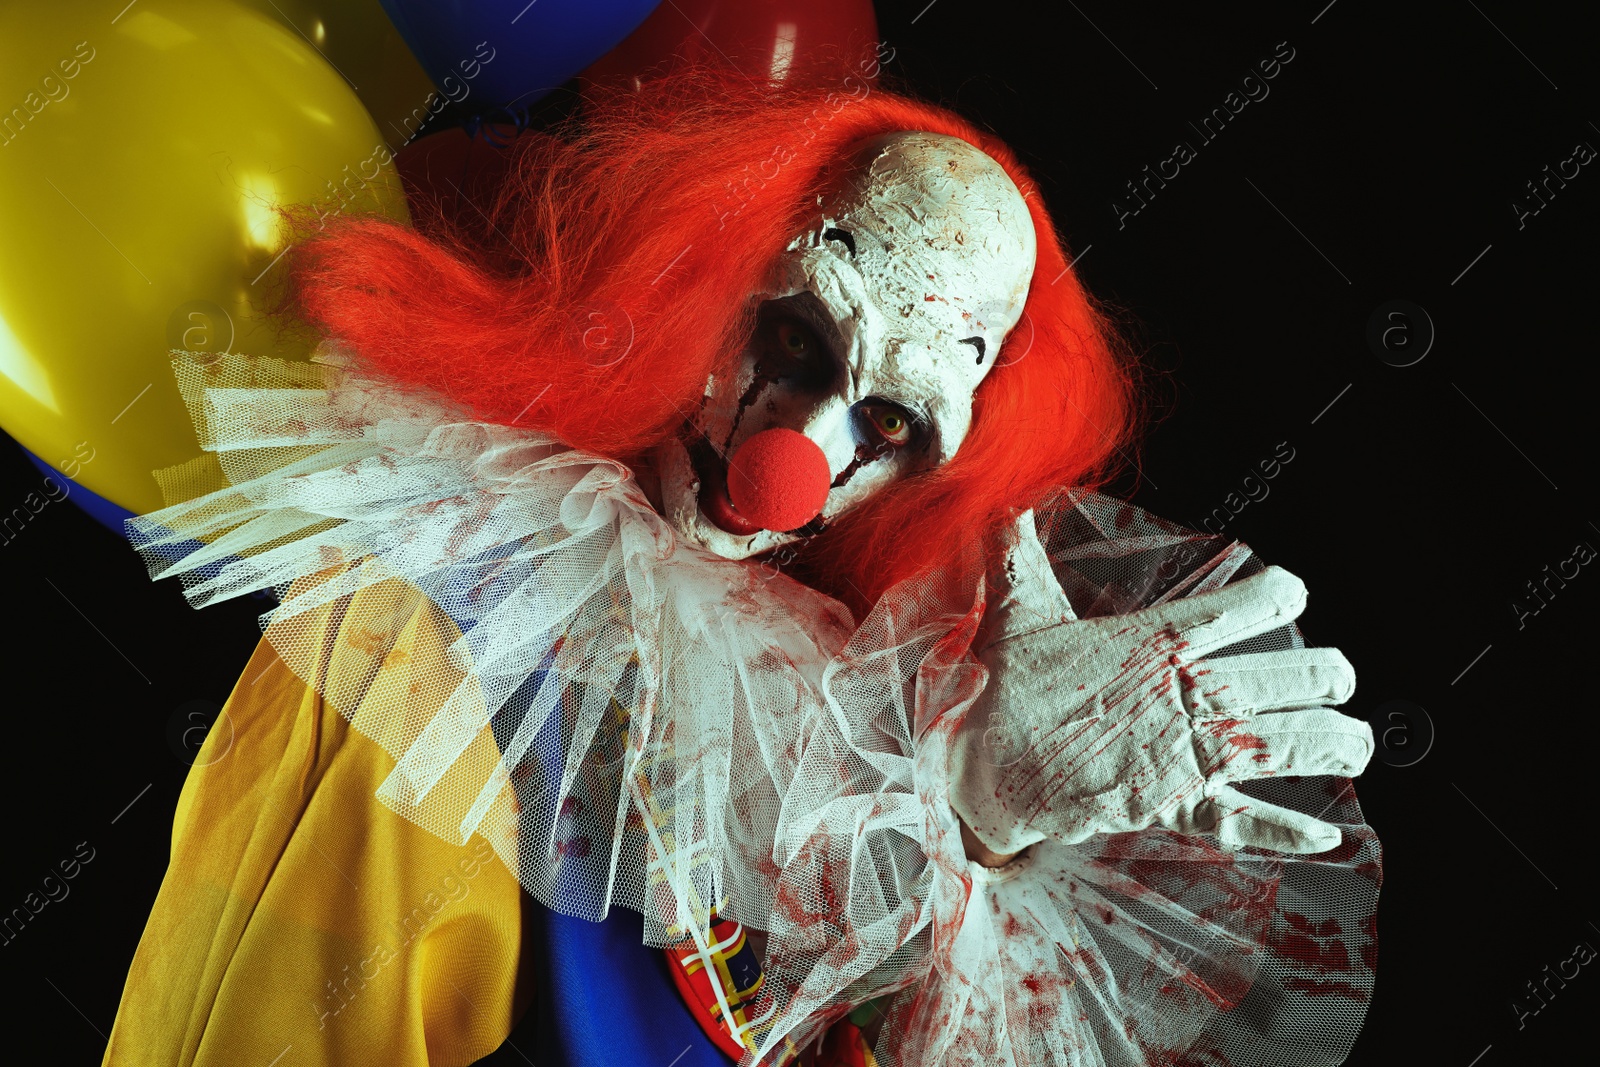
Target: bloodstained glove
1121, 722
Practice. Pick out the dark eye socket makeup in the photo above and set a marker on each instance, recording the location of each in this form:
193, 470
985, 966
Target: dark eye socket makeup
790, 351
797, 342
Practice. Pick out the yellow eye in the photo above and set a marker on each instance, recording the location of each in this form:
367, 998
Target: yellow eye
794, 339
891, 423
789, 350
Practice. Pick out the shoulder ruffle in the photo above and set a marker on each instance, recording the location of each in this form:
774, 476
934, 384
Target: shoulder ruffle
632, 722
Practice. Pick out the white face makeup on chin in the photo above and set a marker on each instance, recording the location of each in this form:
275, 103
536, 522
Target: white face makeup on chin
881, 321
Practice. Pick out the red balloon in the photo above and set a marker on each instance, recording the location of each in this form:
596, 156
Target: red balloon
763, 38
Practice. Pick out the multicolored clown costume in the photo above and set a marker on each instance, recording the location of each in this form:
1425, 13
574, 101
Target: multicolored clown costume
713, 537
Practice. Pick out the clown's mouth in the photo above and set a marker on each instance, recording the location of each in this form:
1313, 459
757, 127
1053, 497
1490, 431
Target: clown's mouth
715, 505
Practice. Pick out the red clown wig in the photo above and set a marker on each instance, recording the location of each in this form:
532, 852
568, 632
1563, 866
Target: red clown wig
616, 272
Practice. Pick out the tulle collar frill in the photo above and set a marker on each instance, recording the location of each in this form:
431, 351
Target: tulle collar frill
632, 722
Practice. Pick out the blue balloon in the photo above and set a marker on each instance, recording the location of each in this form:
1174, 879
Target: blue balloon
93, 504
112, 517
509, 53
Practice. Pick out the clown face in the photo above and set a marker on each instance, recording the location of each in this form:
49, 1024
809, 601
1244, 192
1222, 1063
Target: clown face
879, 322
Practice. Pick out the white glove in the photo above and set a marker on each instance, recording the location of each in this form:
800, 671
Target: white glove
1119, 723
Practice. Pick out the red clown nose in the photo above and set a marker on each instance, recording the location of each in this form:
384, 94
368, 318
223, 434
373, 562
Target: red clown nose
779, 479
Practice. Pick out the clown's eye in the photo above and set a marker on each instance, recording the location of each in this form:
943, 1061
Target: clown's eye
795, 339
891, 422
792, 351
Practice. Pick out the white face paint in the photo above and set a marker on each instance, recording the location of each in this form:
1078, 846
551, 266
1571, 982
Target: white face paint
881, 321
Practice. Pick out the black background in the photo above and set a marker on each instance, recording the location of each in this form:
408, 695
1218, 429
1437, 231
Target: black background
1384, 161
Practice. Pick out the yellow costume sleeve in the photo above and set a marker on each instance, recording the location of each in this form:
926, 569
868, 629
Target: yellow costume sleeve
303, 923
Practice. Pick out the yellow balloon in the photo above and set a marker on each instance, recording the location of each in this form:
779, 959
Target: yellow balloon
142, 158
359, 41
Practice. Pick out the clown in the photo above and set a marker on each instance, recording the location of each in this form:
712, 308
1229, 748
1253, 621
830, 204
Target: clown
859, 342
798, 613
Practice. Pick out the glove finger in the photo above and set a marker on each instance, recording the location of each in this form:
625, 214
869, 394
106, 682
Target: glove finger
1238, 610
1271, 681
1245, 822
1315, 741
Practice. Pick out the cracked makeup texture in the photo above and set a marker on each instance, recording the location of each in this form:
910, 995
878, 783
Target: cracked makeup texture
882, 318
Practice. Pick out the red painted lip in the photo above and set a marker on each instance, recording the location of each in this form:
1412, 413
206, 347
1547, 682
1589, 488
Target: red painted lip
713, 501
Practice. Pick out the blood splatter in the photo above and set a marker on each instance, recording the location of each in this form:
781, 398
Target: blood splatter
1314, 944
1317, 988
